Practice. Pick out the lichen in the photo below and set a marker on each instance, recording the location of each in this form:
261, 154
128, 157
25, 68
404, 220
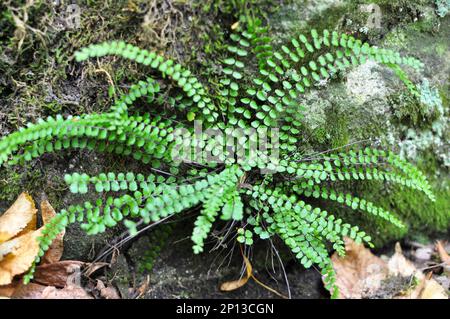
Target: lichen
442, 7
365, 84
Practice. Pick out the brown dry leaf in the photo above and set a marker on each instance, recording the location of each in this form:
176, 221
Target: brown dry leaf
432, 289
57, 274
106, 291
8, 290
427, 288
56, 249
398, 265
8, 247
37, 291
93, 267
142, 289
71, 289
445, 258
358, 273
21, 258
19, 247
29, 291
19, 219
70, 292
17, 254
235, 284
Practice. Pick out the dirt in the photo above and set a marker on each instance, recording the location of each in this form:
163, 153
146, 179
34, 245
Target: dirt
178, 273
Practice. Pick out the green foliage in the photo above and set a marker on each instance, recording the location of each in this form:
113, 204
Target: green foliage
264, 205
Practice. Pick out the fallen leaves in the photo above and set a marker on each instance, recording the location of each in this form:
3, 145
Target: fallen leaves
18, 219
57, 274
361, 274
18, 238
398, 265
236, 284
358, 273
24, 250
53, 279
105, 291
445, 258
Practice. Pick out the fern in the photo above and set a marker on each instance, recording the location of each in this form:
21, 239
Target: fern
259, 90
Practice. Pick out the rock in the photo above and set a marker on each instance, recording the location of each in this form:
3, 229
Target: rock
366, 83
423, 254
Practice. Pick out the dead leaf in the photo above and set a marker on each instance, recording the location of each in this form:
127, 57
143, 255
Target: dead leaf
8, 290
235, 284
64, 272
93, 267
18, 254
57, 274
19, 247
398, 265
37, 291
8, 247
19, 219
359, 272
106, 291
70, 292
427, 288
56, 249
142, 289
443, 255
21, 258
29, 291
432, 289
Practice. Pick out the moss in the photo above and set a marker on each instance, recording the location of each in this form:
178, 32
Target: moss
338, 131
408, 110
9, 184
13, 181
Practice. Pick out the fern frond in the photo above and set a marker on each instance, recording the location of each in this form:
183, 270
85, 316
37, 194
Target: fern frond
346, 199
192, 87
